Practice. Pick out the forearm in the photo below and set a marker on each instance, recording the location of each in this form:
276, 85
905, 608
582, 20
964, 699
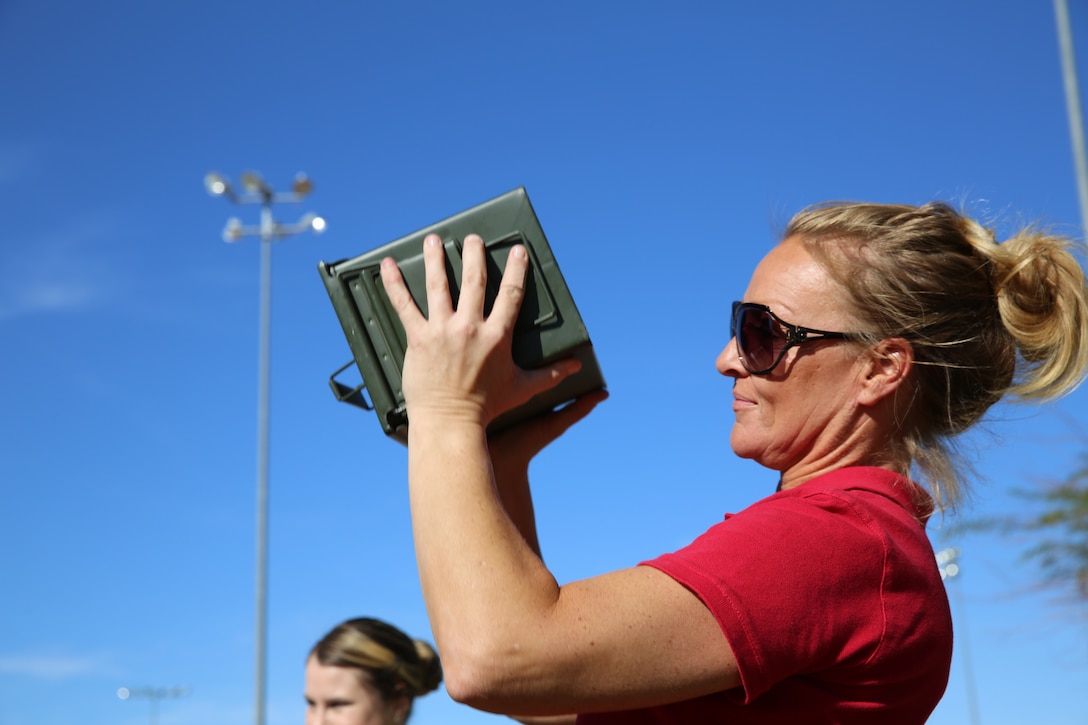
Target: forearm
492, 604
512, 450
512, 482
485, 587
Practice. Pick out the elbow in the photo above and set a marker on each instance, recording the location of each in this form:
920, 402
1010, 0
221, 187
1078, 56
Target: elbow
479, 675
469, 679
465, 687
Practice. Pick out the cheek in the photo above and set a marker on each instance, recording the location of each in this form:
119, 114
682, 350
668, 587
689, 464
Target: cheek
363, 712
787, 414
372, 713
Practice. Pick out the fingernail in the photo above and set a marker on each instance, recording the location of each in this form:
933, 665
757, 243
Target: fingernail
433, 240
519, 252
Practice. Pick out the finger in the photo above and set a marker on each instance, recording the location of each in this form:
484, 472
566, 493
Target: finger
512, 287
398, 294
473, 276
438, 284
534, 382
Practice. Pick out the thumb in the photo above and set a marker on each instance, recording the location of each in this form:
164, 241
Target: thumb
539, 380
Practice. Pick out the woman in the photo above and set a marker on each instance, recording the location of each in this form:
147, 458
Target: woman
867, 339
367, 672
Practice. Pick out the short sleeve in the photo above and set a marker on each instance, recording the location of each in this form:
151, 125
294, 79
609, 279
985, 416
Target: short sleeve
795, 583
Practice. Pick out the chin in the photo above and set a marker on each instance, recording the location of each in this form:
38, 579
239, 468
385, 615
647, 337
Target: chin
742, 448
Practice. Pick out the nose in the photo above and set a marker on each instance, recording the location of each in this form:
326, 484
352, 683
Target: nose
728, 362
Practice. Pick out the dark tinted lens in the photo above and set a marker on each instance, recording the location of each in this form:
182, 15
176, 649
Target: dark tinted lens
759, 337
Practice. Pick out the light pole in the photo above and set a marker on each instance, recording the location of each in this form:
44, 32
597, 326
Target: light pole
256, 191
946, 563
1072, 106
153, 695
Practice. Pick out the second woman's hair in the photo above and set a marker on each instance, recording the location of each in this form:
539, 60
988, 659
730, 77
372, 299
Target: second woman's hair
394, 663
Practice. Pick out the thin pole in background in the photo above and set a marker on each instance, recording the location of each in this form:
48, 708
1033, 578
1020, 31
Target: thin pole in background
256, 191
1072, 103
950, 569
153, 695
264, 384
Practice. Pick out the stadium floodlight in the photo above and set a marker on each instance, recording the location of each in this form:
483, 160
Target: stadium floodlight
256, 191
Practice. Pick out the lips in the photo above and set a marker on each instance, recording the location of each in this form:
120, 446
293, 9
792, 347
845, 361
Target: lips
740, 402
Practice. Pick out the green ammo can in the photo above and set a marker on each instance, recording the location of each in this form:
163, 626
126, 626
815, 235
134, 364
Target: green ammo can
548, 328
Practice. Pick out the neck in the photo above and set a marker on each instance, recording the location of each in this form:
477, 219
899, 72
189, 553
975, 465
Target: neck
860, 439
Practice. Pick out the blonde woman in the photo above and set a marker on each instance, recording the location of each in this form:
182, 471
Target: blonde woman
867, 340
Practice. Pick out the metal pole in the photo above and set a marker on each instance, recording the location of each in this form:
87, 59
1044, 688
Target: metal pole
153, 695
968, 664
1072, 103
946, 564
263, 394
258, 192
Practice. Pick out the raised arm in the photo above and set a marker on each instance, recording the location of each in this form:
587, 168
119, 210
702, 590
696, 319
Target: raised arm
511, 639
512, 450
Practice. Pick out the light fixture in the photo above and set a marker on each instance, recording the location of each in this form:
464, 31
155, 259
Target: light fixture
216, 184
233, 231
302, 186
256, 191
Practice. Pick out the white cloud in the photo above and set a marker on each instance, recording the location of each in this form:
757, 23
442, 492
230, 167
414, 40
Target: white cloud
54, 666
44, 296
60, 269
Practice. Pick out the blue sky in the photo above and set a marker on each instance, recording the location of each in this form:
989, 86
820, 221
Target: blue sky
662, 145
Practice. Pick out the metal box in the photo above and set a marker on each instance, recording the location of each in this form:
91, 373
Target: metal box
548, 328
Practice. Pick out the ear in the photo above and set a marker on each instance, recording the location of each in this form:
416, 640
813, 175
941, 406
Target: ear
887, 368
401, 705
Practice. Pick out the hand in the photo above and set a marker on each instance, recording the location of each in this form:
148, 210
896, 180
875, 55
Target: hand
458, 365
513, 448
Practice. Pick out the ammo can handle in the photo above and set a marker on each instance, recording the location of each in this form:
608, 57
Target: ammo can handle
352, 396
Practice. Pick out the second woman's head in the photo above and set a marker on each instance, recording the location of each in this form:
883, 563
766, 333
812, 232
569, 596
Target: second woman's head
367, 672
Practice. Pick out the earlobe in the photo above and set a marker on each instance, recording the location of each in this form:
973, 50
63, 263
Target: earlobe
889, 366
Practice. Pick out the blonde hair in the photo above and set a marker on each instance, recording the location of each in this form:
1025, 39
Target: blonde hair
395, 664
985, 319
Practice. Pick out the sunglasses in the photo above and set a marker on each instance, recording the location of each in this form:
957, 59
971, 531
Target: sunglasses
763, 337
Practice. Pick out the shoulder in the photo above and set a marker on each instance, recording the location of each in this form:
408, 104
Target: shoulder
845, 535
845, 503
873, 497
827, 574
